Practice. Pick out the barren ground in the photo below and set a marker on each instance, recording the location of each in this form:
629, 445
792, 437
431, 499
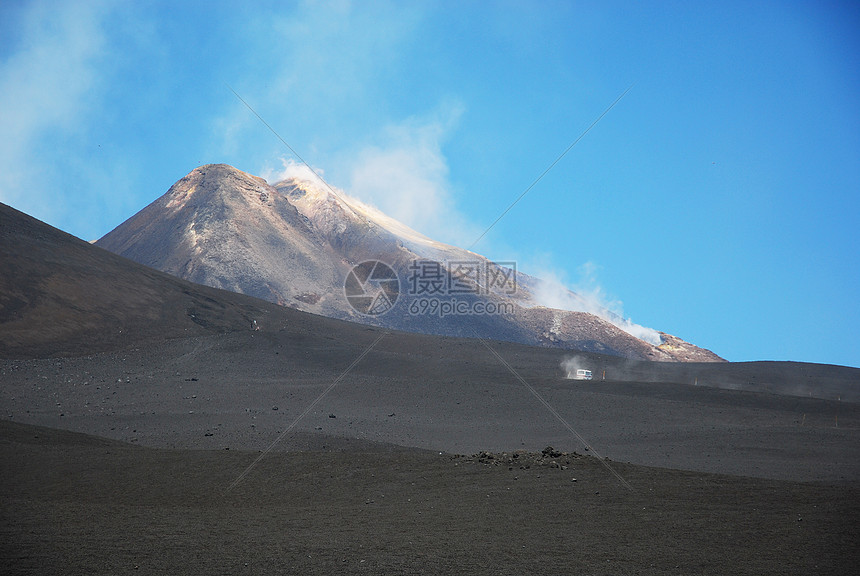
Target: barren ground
382, 475
144, 428
76, 504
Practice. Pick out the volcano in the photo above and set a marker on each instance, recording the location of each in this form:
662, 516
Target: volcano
297, 242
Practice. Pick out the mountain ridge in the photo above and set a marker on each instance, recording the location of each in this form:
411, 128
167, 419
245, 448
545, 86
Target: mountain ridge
294, 243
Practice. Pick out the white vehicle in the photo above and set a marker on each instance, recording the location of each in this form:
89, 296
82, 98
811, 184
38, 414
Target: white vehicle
580, 374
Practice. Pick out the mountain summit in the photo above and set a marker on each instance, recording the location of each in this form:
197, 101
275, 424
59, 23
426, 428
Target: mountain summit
303, 244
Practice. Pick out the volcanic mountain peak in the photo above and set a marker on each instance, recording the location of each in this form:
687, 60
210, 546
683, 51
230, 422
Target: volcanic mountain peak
295, 243
224, 228
333, 212
214, 178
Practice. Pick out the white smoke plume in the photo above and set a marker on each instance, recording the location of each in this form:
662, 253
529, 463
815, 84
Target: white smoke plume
570, 364
405, 175
589, 297
292, 169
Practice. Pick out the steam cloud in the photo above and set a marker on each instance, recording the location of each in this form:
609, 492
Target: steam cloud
386, 178
404, 175
292, 169
407, 178
570, 364
552, 293
49, 83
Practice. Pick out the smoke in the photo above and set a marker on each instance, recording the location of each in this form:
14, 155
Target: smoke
409, 183
570, 364
590, 297
552, 292
50, 85
644, 333
291, 169
405, 175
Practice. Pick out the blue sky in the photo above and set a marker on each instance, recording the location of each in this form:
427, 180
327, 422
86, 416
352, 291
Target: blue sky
719, 200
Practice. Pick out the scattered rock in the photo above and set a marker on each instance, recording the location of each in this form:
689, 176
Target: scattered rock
524, 460
550, 452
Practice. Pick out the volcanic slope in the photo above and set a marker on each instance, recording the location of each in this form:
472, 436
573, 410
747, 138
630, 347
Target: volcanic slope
336, 431
62, 297
179, 364
294, 243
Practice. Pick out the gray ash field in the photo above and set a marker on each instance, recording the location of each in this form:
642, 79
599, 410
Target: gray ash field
243, 390
76, 504
147, 428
